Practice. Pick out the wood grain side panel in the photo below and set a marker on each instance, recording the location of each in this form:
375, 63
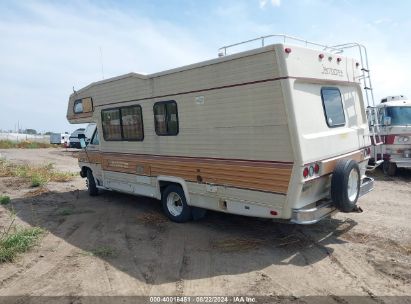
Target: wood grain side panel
90, 157
264, 176
80, 115
328, 165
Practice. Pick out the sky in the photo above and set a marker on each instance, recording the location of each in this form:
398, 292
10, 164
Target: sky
47, 48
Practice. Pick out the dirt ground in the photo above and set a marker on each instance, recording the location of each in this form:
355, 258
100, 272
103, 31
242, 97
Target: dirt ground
116, 244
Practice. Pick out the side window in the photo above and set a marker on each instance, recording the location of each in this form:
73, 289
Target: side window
132, 123
166, 118
333, 107
381, 115
95, 140
125, 123
111, 124
78, 106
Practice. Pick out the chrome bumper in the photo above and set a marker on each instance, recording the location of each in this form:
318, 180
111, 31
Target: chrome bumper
313, 215
402, 163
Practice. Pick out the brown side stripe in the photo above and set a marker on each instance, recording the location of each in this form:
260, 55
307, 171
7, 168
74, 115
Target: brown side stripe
263, 176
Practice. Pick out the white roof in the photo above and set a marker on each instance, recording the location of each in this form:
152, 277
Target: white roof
396, 103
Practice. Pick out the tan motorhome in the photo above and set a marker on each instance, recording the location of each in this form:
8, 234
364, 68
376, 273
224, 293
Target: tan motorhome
275, 132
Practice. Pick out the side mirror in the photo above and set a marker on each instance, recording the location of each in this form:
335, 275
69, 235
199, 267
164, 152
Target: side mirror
387, 121
82, 143
82, 139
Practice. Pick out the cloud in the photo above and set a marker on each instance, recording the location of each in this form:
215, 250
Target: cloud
47, 49
263, 3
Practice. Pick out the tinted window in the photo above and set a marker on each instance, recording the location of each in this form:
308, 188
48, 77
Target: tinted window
132, 123
333, 107
166, 118
124, 123
111, 124
399, 115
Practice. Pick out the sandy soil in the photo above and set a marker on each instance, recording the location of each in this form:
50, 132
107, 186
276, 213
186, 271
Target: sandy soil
145, 254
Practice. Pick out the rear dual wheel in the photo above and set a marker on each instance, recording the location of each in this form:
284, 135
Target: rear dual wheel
389, 168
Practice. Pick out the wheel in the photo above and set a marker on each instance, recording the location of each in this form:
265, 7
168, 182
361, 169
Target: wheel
175, 204
345, 185
389, 168
91, 184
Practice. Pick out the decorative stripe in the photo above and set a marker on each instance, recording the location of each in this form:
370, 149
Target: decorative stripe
248, 174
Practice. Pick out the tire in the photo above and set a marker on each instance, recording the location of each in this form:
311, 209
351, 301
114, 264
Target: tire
91, 184
345, 185
175, 204
389, 168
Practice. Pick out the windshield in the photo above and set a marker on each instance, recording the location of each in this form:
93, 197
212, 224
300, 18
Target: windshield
399, 115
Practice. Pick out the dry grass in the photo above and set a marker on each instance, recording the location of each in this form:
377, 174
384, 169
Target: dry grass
101, 251
356, 237
407, 249
377, 241
230, 245
8, 144
38, 175
71, 211
152, 218
37, 192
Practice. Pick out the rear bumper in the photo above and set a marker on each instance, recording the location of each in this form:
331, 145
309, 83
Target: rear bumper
305, 216
312, 215
402, 162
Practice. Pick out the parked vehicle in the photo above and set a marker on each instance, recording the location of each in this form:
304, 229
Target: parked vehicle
276, 132
394, 115
89, 131
73, 140
59, 138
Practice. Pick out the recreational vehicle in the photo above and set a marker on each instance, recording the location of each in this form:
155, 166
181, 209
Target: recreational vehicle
59, 138
394, 115
279, 131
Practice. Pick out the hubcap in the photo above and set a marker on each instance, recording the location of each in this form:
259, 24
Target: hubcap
174, 204
353, 185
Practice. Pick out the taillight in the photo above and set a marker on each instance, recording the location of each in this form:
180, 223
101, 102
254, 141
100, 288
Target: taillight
305, 172
311, 170
287, 50
321, 56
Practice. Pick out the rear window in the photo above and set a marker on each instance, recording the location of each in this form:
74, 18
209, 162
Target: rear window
333, 107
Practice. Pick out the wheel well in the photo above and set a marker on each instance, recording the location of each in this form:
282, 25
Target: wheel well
165, 184
83, 172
